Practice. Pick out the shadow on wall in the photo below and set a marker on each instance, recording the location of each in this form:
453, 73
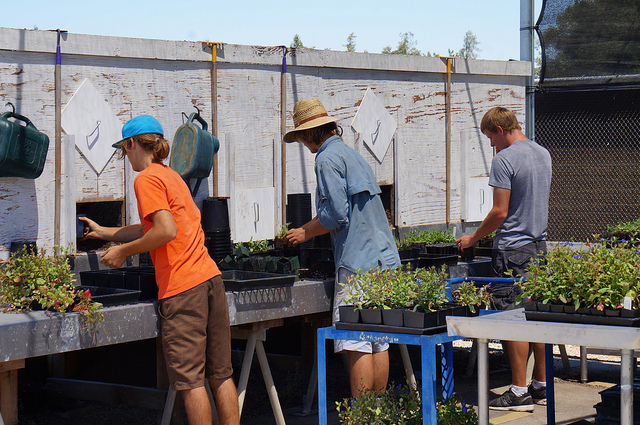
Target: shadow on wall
18, 213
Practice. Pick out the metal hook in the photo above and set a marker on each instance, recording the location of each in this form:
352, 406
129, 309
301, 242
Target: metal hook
13, 108
197, 109
90, 144
184, 116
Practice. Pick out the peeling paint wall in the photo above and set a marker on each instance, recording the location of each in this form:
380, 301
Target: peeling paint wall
167, 78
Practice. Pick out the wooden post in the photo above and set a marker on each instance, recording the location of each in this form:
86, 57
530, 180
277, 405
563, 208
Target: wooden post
9, 390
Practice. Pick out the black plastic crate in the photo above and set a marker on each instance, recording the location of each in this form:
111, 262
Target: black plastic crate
111, 296
242, 280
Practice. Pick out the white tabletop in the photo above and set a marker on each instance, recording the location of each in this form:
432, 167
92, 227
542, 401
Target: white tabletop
512, 326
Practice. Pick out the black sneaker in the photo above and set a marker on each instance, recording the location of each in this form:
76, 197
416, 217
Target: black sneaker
510, 401
539, 396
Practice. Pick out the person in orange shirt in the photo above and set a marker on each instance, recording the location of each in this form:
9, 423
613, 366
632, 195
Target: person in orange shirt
196, 337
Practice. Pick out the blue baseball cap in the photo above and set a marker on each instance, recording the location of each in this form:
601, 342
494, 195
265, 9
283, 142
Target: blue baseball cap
142, 124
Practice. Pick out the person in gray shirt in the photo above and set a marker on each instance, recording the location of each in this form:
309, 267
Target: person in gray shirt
521, 180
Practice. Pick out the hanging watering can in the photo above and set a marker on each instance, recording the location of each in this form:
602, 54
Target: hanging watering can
193, 150
23, 149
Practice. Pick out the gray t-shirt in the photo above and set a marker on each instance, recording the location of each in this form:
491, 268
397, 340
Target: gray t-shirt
524, 168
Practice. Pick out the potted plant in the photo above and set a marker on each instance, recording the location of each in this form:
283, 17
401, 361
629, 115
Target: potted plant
279, 241
624, 232
33, 280
428, 295
417, 294
599, 279
470, 297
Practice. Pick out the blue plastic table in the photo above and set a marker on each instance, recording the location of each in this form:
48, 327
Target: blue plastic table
428, 350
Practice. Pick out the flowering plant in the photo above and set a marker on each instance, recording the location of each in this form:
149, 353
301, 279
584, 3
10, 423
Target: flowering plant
30, 278
422, 289
468, 295
598, 277
401, 405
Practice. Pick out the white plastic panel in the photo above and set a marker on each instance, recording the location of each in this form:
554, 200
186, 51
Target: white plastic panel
254, 214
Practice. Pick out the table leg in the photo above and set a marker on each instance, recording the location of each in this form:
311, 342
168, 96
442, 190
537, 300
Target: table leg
429, 413
551, 403
311, 389
406, 361
246, 368
483, 381
626, 387
322, 378
268, 380
446, 350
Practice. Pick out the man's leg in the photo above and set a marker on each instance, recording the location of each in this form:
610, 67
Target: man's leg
368, 371
197, 405
380, 370
226, 397
517, 399
518, 356
540, 371
360, 371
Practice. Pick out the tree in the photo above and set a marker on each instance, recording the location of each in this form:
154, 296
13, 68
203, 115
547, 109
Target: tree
406, 46
297, 43
351, 43
469, 46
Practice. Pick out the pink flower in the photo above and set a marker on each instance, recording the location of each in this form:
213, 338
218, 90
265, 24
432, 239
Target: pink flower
600, 307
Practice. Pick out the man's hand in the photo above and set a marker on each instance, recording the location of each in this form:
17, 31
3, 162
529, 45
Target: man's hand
114, 257
92, 231
296, 236
465, 242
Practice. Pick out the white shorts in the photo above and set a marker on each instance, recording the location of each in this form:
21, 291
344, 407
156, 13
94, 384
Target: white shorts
348, 345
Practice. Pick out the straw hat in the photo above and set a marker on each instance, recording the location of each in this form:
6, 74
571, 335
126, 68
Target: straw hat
307, 113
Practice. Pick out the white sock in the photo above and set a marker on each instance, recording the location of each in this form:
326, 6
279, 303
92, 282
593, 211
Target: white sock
518, 391
537, 384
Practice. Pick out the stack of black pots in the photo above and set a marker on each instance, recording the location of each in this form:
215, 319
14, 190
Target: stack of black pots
215, 223
299, 213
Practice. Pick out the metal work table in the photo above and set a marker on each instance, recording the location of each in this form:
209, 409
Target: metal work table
427, 345
33, 334
512, 326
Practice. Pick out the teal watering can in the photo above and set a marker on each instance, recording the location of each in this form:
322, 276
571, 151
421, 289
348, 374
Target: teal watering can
193, 150
23, 149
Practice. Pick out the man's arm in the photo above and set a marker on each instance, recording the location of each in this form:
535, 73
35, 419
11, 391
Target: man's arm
307, 231
112, 234
163, 231
492, 221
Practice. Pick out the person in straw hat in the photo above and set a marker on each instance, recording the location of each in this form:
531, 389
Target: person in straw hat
196, 337
349, 206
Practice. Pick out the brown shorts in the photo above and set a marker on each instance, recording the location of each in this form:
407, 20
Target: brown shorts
195, 335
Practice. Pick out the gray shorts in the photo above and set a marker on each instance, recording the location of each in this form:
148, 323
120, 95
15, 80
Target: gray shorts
517, 259
347, 345
504, 295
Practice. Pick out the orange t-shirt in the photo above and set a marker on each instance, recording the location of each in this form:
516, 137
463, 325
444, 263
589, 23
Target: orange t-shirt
184, 262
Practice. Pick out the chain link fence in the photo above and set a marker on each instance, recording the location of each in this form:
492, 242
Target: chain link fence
593, 136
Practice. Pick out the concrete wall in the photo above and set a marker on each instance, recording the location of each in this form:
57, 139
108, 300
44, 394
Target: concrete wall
167, 78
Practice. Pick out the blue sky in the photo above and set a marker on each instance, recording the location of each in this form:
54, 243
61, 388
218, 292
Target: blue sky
437, 25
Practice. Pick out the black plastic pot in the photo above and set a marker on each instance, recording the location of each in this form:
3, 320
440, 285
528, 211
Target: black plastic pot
219, 244
392, 317
348, 314
372, 316
215, 214
420, 320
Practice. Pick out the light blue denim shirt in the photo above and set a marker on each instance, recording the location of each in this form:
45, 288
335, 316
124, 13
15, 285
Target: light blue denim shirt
348, 203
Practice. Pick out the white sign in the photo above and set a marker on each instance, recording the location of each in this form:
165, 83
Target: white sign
375, 125
90, 119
